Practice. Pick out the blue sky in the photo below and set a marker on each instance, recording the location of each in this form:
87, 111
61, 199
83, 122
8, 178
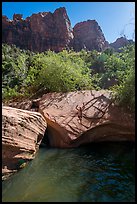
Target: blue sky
114, 18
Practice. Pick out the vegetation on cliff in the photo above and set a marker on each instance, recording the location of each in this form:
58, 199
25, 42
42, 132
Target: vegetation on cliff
24, 73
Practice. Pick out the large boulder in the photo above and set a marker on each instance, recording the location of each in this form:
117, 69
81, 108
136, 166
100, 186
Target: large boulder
22, 133
81, 117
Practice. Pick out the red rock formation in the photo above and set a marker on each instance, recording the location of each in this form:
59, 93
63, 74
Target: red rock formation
22, 133
46, 30
99, 119
88, 35
39, 32
17, 17
120, 42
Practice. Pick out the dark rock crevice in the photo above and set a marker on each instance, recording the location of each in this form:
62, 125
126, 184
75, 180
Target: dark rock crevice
45, 141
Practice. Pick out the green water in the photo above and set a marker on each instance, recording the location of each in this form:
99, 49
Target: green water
94, 173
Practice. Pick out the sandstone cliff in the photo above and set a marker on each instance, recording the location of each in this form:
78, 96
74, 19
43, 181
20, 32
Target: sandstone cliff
46, 30
88, 35
39, 32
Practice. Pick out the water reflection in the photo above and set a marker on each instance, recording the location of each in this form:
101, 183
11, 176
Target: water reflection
93, 173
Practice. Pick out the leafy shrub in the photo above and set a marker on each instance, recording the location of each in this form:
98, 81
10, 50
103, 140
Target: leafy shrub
27, 73
59, 72
125, 90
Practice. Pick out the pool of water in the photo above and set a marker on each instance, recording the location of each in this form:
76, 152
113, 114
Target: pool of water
102, 172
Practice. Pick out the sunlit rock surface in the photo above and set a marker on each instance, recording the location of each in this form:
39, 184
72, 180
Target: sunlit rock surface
82, 117
39, 32
22, 133
88, 35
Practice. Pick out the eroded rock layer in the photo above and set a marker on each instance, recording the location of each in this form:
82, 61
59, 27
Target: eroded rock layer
22, 133
82, 117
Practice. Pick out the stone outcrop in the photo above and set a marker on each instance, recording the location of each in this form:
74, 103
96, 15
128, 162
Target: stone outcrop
82, 117
39, 32
22, 133
46, 30
17, 17
88, 35
120, 42
52, 31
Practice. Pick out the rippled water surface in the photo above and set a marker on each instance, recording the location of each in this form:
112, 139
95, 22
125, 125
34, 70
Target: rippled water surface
93, 173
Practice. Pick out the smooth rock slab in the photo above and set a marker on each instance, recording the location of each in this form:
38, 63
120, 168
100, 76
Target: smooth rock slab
81, 117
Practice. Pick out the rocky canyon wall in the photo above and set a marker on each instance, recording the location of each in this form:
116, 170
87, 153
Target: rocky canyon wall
39, 32
46, 30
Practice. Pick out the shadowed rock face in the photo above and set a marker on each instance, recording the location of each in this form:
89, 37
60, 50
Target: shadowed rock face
46, 30
22, 133
39, 32
119, 43
88, 35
